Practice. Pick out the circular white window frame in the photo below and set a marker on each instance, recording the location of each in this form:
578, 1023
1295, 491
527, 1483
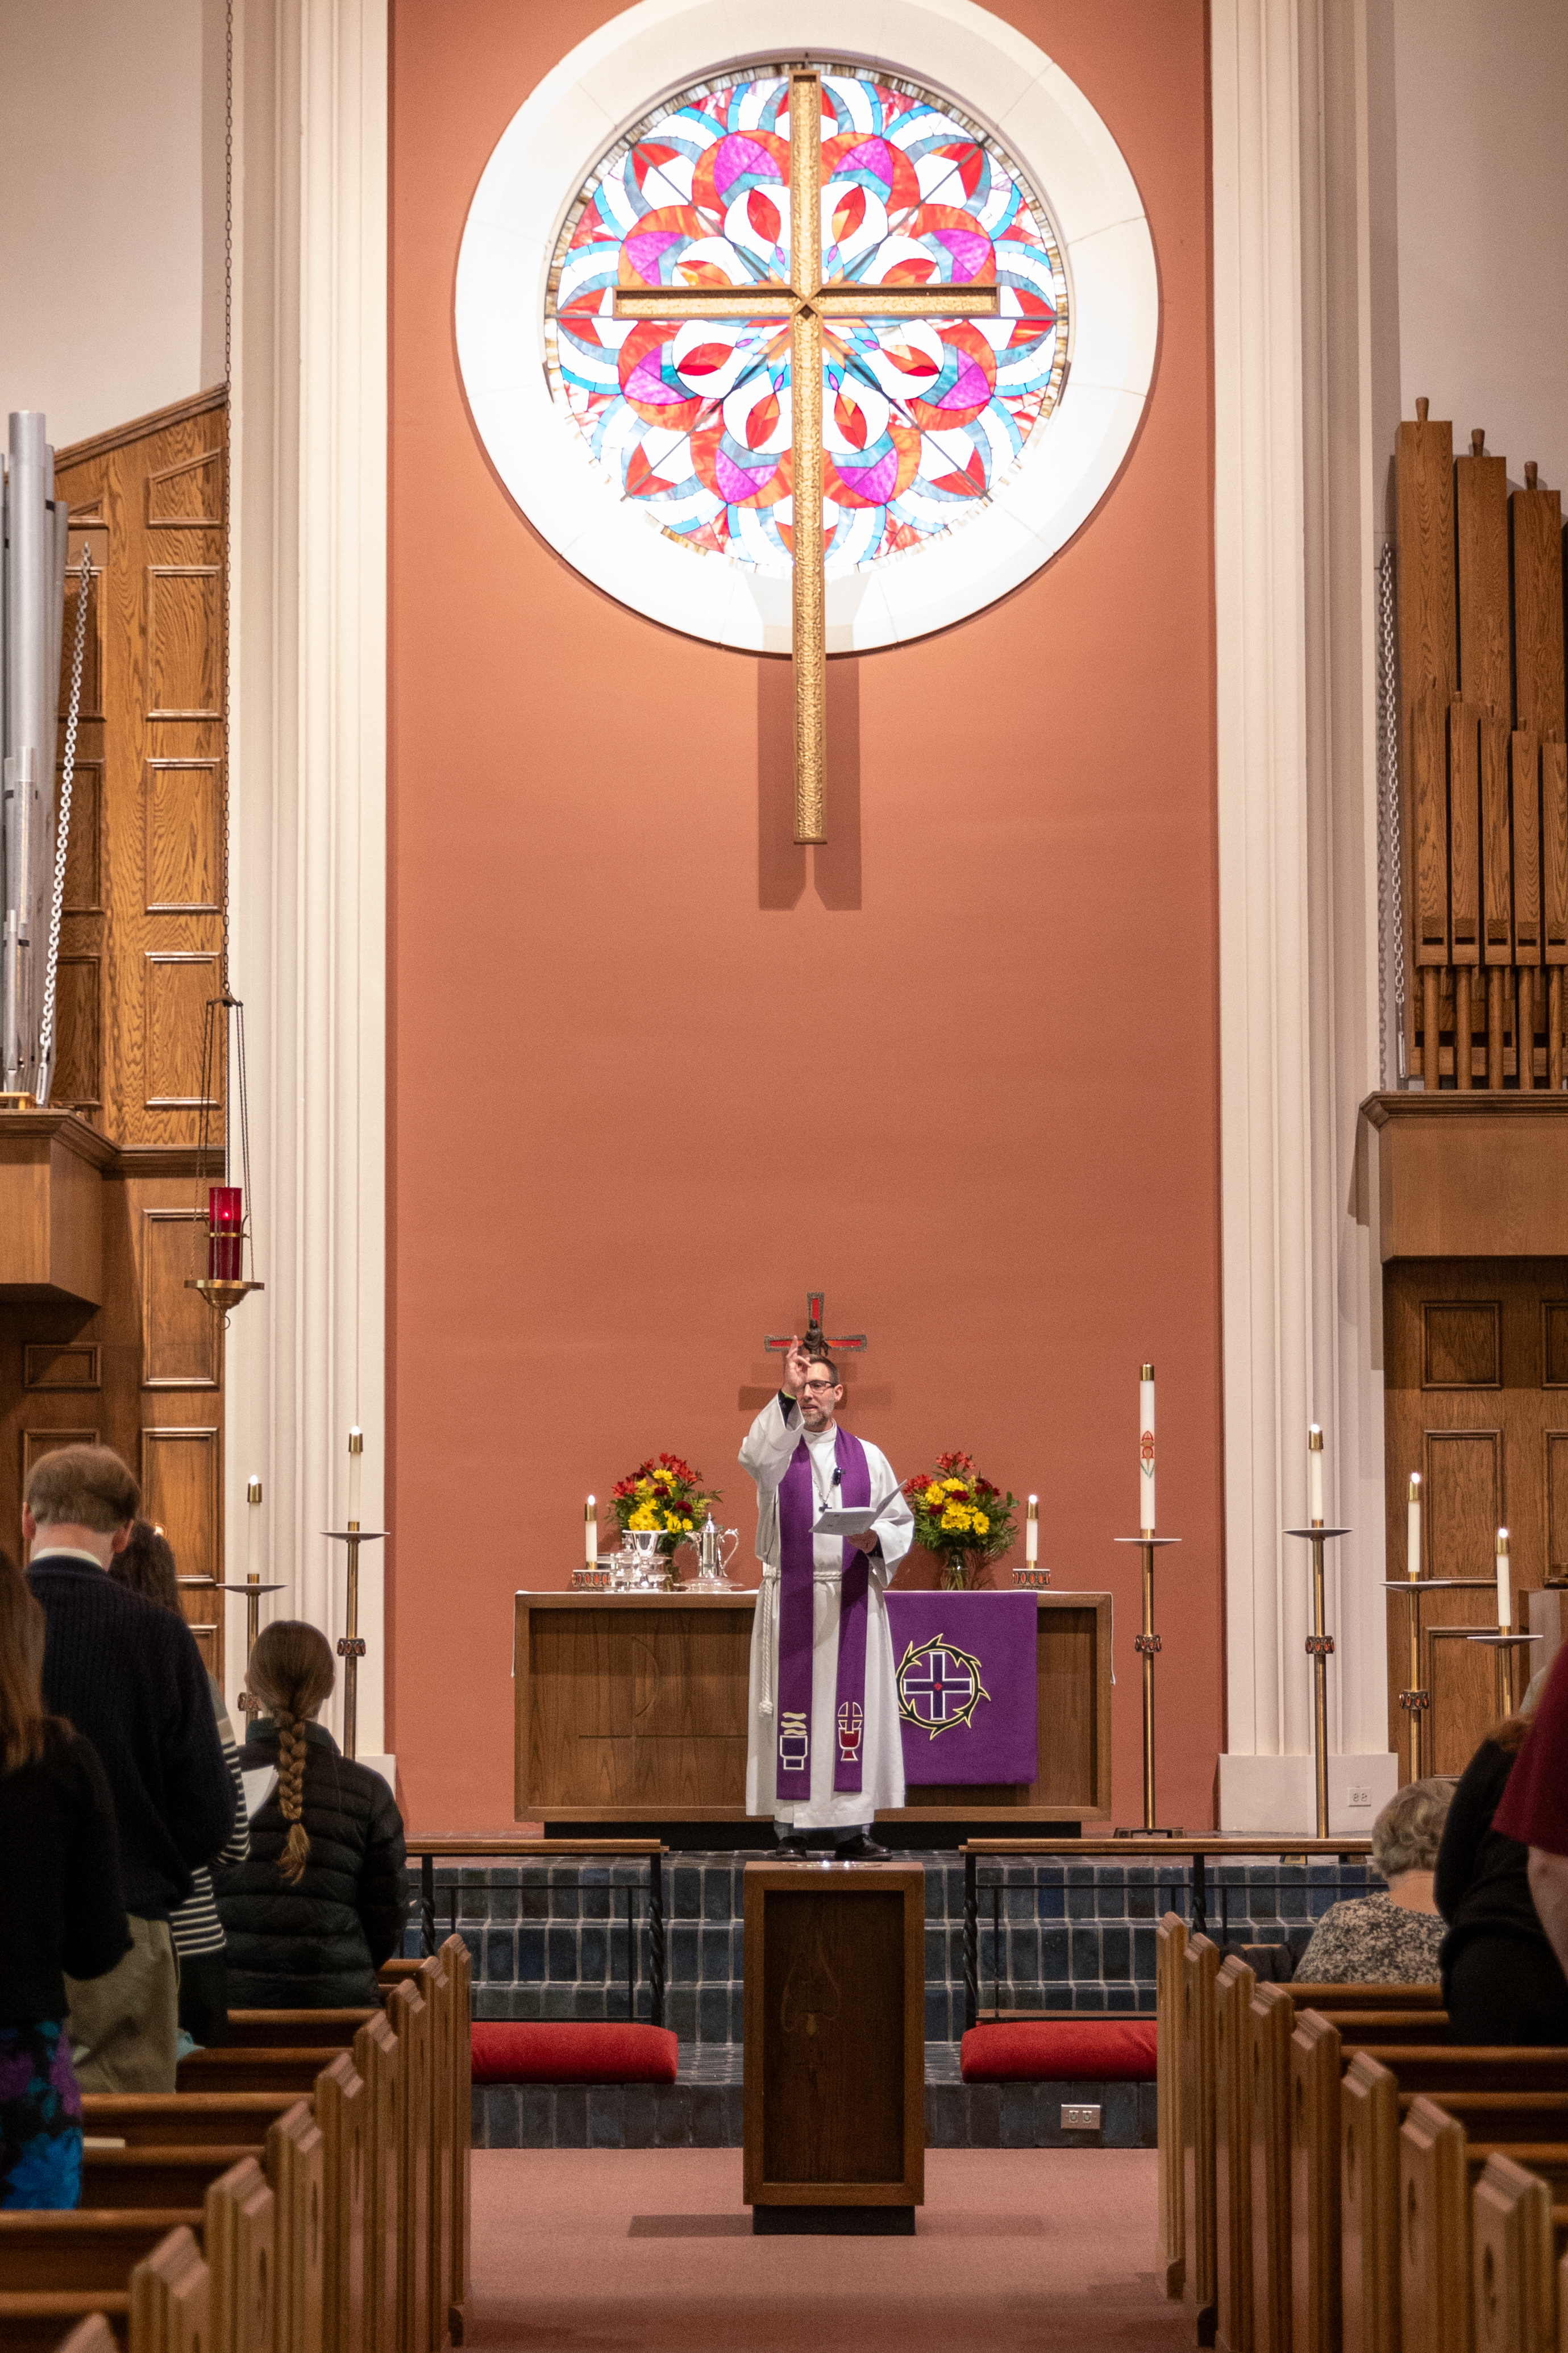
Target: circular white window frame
612, 79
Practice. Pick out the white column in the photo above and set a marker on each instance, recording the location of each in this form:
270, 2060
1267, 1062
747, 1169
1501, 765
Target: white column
308, 872
1293, 920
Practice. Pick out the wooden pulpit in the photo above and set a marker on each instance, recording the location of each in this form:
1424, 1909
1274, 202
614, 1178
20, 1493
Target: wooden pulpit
834, 2046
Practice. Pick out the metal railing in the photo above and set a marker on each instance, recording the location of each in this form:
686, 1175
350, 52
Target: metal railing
541, 1849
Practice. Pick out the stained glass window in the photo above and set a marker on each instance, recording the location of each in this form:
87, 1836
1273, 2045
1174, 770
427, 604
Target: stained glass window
923, 419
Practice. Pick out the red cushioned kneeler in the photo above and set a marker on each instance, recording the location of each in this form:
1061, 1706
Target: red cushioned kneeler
1061, 2051
515, 2050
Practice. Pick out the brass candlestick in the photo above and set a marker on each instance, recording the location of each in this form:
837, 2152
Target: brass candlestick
253, 1590
1320, 1650
1503, 1647
1147, 1645
350, 1644
1416, 1701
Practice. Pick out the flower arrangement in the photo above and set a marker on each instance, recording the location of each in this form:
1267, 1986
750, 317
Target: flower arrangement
962, 1517
664, 1493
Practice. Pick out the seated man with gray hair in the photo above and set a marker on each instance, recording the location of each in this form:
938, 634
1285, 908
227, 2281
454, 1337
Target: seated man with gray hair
1393, 1937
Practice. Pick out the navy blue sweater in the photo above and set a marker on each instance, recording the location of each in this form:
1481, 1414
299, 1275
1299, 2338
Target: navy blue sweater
128, 1675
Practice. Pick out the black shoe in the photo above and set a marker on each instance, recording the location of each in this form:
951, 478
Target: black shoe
862, 1848
791, 1849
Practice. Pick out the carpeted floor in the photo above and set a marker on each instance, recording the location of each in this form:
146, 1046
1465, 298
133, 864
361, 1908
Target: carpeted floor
605, 2251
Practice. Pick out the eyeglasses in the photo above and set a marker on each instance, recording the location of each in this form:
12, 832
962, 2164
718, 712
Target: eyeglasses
819, 1385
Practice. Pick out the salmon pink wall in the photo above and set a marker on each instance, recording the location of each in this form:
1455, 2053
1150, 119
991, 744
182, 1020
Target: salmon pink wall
654, 1071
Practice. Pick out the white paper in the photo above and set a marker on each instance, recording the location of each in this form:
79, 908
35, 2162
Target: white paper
853, 1519
259, 1788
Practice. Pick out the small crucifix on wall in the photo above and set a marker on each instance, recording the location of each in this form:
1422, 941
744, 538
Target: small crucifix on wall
817, 1342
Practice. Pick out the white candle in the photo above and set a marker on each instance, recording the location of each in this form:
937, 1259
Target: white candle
1146, 1522
1315, 1476
591, 1533
1413, 1529
253, 1530
1032, 1532
356, 1465
1504, 1585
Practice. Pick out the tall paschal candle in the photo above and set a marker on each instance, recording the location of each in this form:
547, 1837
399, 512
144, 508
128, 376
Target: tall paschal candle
1146, 1521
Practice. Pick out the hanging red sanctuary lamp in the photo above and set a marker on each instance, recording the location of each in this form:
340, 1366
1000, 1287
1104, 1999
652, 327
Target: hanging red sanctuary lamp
229, 1239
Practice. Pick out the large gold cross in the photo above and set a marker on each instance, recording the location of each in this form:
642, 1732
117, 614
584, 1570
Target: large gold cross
806, 302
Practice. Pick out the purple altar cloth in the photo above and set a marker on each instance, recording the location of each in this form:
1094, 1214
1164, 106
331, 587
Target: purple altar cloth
968, 1699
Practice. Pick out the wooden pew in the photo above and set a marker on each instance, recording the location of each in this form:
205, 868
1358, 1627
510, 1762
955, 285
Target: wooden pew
342, 2113
115, 2179
169, 2299
295, 2159
57, 2267
183, 2119
327, 2029
1170, 1954
459, 1961
264, 2067
439, 1987
1234, 1987
239, 2242
1200, 2072
1441, 2296
408, 2014
1267, 2029
1368, 2206
375, 2056
92, 2335
1515, 2292
1314, 2191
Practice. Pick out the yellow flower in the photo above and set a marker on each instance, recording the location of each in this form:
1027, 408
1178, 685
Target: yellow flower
643, 1517
644, 1487
955, 1516
932, 1497
954, 1487
672, 1520
982, 1524
667, 1478
686, 1525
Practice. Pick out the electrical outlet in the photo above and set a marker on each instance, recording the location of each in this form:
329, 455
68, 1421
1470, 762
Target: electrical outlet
1360, 1798
1080, 2119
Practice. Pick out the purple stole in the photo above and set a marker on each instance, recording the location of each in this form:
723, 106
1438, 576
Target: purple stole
797, 1510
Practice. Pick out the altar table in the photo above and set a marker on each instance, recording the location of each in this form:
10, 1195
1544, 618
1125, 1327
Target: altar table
632, 1708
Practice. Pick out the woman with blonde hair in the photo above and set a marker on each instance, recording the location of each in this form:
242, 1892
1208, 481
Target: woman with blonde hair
59, 1866
1391, 1938
323, 1899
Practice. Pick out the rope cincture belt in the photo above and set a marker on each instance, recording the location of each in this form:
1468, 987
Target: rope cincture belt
769, 1600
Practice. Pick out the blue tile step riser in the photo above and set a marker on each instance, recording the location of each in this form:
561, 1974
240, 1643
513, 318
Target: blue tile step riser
710, 2115
550, 1940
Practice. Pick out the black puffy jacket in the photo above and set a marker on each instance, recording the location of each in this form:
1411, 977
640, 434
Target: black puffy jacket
316, 1945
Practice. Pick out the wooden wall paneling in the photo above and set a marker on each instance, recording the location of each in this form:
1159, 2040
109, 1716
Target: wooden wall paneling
1524, 764
179, 1474
61, 1364
157, 489
1462, 1680
45, 1437
1464, 833
79, 1034
1461, 1344
1556, 1448
1428, 673
188, 492
1462, 1487
182, 806
1429, 773
1554, 850
1535, 519
182, 1339
1481, 510
84, 846
184, 632
179, 985
1496, 854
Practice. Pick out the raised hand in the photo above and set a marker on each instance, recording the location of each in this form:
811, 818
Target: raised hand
796, 1366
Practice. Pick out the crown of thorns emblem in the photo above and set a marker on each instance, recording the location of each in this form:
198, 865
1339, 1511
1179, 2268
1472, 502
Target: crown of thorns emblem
939, 1685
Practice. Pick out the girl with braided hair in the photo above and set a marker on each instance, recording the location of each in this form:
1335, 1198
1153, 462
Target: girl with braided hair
322, 1900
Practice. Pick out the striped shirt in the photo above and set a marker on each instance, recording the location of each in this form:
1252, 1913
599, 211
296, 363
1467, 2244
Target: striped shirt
195, 1924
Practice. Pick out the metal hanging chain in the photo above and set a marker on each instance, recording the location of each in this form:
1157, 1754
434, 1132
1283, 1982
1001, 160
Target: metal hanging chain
62, 836
1389, 829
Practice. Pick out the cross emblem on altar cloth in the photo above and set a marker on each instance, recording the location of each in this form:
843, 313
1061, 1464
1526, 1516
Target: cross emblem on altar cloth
939, 1678
852, 1344
809, 306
